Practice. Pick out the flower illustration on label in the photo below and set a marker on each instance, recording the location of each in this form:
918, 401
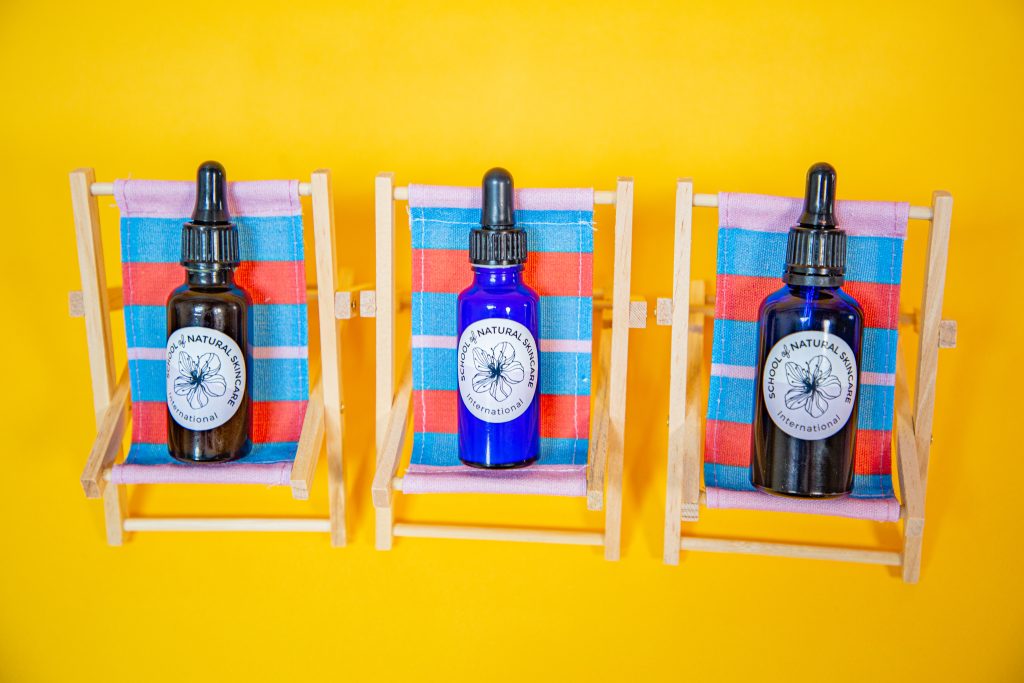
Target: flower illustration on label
809, 384
199, 379
813, 386
497, 371
206, 377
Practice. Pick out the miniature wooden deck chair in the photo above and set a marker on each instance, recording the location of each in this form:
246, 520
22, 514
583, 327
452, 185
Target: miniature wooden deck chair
560, 268
289, 420
752, 238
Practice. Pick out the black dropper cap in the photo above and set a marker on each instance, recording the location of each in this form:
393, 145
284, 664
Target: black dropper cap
497, 242
816, 250
210, 240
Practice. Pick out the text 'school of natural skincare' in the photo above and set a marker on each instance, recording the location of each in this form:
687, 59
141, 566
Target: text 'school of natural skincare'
208, 335
805, 413
498, 352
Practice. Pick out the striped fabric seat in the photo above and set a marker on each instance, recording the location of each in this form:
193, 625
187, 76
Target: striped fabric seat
560, 268
269, 219
752, 237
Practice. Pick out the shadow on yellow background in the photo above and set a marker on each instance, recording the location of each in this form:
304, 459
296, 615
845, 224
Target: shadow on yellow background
903, 99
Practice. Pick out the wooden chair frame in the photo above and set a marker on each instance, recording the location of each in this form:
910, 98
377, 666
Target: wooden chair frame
688, 385
609, 414
112, 405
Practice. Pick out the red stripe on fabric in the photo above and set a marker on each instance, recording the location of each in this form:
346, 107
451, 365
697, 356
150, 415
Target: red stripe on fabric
564, 417
549, 273
440, 270
435, 411
273, 282
560, 274
149, 284
880, 303
560, 416
149, 422
873, 454
727, 443
274, 421
738, 297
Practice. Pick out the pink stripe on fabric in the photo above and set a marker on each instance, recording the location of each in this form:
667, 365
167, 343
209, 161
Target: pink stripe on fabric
144, 353
542, 480
566, 345
778, 214
531, 199
280, 352
885, 379
268, 474
174, 199
427, 341
734, 371
876, 509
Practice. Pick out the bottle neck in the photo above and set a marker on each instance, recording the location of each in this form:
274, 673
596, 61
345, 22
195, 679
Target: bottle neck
498, 277
803, 291
214, 277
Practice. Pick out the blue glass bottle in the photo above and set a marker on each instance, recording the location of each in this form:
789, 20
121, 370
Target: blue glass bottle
498, 352
809, 345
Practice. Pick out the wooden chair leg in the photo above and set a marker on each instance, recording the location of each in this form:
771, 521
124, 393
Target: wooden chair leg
114, 513
913, 536
385, 526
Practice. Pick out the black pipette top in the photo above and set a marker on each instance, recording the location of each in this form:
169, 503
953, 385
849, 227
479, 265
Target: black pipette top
210, 240
497, 242
816, 250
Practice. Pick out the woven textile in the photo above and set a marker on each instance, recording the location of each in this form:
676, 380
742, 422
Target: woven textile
752, 236
559, 224
269, 219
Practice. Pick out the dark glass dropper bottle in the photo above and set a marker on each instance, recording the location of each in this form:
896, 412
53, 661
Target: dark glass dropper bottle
208, 335
805, 414
498, 354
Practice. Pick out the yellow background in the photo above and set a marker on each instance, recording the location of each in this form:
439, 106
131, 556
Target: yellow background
903, 98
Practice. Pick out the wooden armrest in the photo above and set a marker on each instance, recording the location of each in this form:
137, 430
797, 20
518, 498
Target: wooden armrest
599, 425
394, 439
908, 465
108, 440
307, 453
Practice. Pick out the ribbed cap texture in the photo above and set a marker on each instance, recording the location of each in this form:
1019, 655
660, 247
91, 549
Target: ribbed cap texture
489, 247
209, 246
814, 251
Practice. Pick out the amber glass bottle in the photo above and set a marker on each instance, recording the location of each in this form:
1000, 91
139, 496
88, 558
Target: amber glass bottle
208, 404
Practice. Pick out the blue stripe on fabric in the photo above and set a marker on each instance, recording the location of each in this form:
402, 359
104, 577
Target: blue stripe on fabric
548, 231
156, 454
562, 373
442, 449
731, 477
273, 379
731, 399
875, 407
561, 317
762, 254
273, 325
735, 343
261, 238
872, 486
737, 478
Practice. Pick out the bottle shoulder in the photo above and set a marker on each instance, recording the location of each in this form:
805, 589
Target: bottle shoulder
788, 299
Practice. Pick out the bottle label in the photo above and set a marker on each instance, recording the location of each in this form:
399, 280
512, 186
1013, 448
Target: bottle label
205, 377
810, 384
497, 364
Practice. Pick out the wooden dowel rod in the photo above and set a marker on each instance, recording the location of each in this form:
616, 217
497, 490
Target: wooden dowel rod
923, 213
321, 525
107, 189
485, 533
607, 197
810, 552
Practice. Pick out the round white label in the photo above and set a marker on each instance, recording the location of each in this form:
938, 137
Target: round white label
810, 384
205, 377
497, 369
